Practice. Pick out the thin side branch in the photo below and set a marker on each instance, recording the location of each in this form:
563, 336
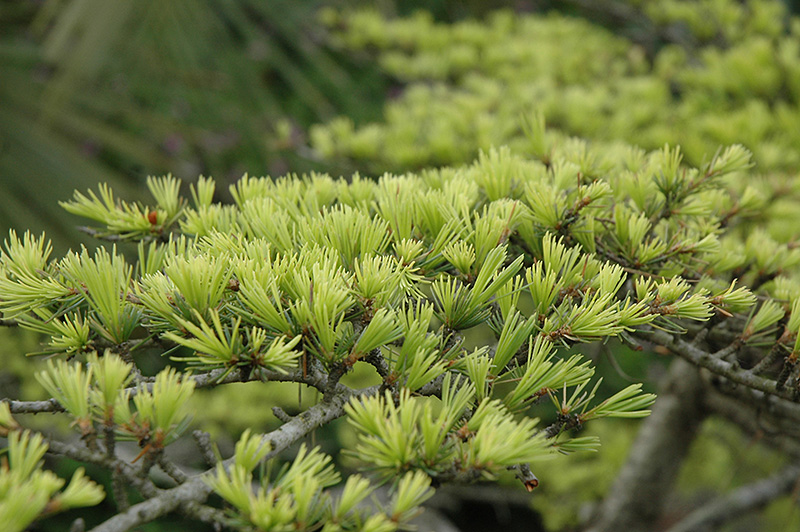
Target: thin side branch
201, 380
203, 440
34, 407
751, 421
144, 485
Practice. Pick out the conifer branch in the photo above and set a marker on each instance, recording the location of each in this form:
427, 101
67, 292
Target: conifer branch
204, 513
202, 380
34, 407
130, 474
752, 421
195, 489
203, 440
171, 469
709, 361
110, 236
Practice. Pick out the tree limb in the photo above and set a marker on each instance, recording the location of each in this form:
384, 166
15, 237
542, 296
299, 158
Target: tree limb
704, 359
196, 490
743, 500
635, 502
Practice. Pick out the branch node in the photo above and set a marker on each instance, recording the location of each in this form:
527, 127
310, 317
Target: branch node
281, 414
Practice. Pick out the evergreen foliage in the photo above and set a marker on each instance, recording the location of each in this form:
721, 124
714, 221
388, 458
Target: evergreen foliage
325, 274
550, 242
727, 74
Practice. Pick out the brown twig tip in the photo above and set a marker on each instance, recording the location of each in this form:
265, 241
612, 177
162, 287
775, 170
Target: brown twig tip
526, 476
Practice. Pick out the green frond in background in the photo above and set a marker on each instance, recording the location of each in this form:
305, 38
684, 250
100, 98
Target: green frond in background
94, 92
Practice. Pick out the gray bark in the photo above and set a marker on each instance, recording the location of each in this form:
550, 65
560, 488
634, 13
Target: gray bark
635, 502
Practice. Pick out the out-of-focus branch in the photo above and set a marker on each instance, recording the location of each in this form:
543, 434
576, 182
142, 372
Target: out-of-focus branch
635, 501
741, 501
753, 421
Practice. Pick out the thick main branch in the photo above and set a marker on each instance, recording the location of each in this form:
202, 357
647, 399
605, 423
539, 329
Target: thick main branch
634, 503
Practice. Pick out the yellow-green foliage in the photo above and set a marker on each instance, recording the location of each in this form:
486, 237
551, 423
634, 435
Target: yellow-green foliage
469, 84
304, 278
26, 489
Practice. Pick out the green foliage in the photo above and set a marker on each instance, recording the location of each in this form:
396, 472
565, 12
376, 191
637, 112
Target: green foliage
548, 243
297, 494
337, 286
469, 85
26, 490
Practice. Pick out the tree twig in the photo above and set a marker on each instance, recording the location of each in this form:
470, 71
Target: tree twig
281, 414
203, 440
704, 359
752, 421
201, 380
34, 407
145, 486
171, 469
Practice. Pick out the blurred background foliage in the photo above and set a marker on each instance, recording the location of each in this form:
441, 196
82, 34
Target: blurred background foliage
705, 74
96, 91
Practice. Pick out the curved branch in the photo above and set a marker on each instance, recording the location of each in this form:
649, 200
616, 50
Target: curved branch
743, 500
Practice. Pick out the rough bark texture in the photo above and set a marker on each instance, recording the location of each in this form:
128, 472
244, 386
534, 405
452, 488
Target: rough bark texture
635, 502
